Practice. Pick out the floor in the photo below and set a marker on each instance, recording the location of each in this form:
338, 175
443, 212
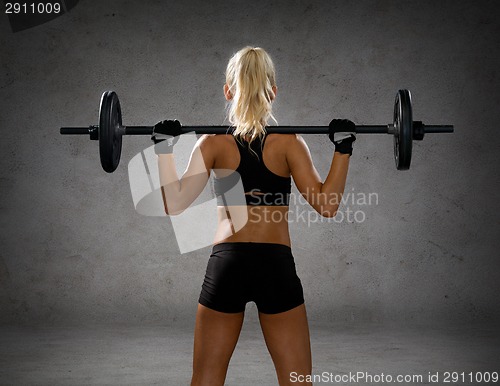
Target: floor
161, 355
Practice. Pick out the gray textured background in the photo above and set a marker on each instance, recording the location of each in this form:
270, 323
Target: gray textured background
73, 250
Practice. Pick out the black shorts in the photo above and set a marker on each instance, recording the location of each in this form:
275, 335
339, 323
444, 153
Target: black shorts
264, 273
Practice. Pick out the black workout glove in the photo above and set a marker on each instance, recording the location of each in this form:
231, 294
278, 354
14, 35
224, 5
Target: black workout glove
342, 132
165, 135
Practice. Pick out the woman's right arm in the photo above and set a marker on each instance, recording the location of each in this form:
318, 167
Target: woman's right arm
325, 197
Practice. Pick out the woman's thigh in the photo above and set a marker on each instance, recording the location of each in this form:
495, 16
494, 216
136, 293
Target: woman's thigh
215, 337
287, 339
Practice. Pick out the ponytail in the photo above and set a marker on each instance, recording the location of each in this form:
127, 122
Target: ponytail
250, 76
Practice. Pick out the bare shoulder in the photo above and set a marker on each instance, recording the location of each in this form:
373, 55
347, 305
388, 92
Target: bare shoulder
214, 145
282, 141
211, 142
297, 152
290, 143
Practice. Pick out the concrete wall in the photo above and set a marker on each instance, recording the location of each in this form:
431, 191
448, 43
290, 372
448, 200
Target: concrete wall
73, 249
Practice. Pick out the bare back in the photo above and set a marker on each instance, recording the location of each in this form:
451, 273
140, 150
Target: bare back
284, 155
265, 224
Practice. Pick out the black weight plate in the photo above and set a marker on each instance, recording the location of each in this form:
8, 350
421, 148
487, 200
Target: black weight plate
110, 136
403, 123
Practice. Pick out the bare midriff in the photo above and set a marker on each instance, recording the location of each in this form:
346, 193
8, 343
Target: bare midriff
264, 224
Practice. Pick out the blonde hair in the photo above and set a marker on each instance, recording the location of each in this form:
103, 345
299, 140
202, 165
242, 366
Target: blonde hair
250, 76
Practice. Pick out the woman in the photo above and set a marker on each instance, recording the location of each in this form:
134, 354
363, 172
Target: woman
253, 263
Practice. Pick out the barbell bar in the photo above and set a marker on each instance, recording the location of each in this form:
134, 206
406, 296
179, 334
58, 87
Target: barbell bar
110, 130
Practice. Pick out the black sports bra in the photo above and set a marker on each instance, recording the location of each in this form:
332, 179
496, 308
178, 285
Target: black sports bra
260, 185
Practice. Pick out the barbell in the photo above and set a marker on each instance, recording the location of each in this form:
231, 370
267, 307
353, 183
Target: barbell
110, 130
